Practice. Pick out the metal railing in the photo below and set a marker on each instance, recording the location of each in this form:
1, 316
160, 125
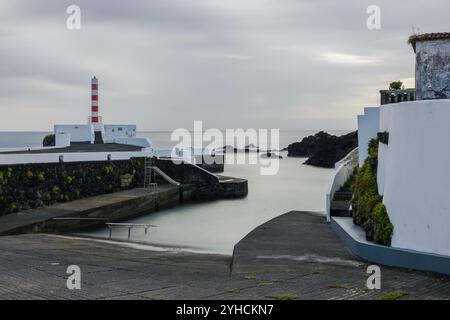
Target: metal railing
396, 96
130, 226
343, 169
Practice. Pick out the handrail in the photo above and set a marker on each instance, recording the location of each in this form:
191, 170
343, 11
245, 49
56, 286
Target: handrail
343, 170
165, 176
129, 226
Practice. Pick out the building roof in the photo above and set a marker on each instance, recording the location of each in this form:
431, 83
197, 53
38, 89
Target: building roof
82, 147
427, 37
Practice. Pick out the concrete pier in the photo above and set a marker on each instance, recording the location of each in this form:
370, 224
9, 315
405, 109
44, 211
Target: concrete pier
94, 211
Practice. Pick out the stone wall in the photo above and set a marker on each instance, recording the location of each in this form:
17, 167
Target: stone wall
27, 186
208, 186
433, 69
186, 172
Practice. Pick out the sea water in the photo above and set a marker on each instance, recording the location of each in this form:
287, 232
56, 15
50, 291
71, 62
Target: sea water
216, 226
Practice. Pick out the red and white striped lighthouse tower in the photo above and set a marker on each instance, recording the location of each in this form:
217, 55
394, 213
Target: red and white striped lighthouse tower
94, 101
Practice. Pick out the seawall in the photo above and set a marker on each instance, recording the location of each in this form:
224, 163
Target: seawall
95, 211
60, 197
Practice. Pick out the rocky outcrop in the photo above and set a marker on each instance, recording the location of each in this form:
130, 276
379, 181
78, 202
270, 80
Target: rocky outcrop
323, 149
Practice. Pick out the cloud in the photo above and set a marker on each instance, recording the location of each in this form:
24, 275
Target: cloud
163, 64
343, 58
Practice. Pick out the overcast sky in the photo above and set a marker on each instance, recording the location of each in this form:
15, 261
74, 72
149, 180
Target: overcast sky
161, 64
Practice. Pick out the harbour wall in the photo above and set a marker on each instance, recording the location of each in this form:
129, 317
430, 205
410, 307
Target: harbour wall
24, 187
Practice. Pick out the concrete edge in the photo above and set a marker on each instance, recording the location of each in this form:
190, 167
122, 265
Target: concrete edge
394, 257
312, 213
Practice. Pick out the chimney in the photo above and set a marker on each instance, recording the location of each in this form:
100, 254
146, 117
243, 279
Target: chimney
432, 65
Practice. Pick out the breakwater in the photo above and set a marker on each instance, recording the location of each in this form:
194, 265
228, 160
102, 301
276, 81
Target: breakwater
58, 197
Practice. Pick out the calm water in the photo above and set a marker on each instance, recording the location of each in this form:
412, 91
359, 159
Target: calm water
216, 226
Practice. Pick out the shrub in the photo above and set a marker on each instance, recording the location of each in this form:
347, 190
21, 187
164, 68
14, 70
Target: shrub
383, 226
396, 85
49, 141
370, 213
41, 176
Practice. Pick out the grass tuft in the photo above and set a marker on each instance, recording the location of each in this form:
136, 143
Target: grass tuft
394, 295
340, 286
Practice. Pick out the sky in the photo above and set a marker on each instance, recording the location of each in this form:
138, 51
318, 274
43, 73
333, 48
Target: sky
161, 64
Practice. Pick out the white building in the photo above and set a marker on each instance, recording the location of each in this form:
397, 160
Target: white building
97, 132
413, 173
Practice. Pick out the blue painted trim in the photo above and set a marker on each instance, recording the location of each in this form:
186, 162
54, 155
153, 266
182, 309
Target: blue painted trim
394, 257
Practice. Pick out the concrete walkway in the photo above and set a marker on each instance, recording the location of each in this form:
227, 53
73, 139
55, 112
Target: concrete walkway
296, 255
110, 207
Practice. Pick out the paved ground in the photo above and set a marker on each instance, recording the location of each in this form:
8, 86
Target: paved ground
296, 256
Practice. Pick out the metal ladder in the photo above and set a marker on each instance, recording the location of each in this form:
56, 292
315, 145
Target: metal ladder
148, 173
150, 180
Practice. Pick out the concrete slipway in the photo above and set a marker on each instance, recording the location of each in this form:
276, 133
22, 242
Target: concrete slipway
296, 255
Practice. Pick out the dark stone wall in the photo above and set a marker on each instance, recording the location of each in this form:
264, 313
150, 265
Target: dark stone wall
23, 187
214, 168
186, 172
217, 166
238, 188
207, 185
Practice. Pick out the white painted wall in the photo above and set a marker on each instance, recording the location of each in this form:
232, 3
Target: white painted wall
343, 169
139, 142
368, 125
113, 131
414, 174
6, 159
78, 133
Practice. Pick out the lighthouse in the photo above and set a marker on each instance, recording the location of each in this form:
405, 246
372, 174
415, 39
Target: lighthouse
95, 132
94, 118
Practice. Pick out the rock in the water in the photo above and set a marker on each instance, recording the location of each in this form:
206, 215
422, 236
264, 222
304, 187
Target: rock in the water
323, 149
271, 155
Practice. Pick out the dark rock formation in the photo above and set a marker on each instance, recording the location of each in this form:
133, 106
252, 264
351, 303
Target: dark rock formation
270, 155
323, 149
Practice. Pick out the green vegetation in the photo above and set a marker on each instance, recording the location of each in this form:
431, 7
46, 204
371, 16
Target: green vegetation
29, 174
283, 297
383, 228
396, 85
394, 295
49, 141
340, 286
24, 187
108, 169
249, 277
40, 176
369, 211
69, 180
233, 290
265, 283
